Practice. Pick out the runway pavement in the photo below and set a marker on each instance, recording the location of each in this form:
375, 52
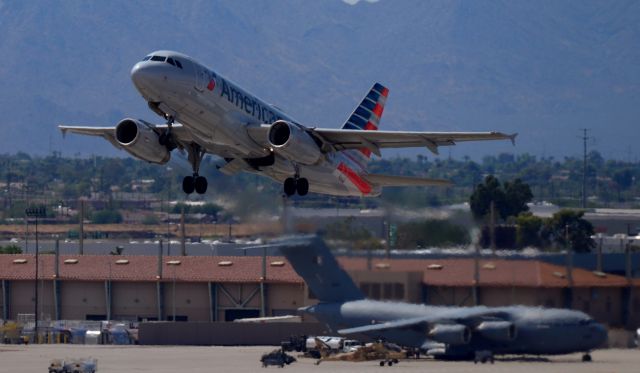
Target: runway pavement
111, 359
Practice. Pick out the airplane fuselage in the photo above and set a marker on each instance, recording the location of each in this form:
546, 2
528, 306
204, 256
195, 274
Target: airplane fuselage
220, 116
537, 330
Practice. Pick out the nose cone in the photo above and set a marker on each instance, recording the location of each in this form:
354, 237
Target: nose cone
600, 333
144, 75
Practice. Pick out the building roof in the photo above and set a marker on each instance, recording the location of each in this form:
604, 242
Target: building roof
435, 272
145, 268
494, 272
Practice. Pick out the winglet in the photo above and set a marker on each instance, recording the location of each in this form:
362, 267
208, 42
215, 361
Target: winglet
512, 137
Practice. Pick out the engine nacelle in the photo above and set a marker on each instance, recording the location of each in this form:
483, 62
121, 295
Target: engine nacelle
141, 141
499, 331
294, 143
453, 334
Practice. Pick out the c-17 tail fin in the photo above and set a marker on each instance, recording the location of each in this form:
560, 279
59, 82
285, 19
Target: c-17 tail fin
312, 260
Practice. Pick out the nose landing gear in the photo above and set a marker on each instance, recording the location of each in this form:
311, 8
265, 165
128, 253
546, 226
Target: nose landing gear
196, 182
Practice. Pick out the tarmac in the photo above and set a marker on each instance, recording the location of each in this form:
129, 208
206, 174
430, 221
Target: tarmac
111, 359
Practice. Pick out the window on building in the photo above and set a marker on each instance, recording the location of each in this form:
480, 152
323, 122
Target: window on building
398, 290
179, 318
586, 306
387, 291
365, 287
375, 291
92, 317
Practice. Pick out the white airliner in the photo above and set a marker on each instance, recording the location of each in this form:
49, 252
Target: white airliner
207, 113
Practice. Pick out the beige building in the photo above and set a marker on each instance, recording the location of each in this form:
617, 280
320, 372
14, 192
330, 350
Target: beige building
197, 288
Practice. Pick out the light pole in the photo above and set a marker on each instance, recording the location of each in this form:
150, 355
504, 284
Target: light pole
36, 212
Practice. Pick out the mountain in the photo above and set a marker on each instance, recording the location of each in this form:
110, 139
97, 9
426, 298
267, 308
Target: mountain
543, 69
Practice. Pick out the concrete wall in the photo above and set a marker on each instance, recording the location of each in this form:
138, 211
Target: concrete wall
192, 300
133, 300
401, 286
223, 334
504, 296
603, 304
448, 296
81, 298
284, 298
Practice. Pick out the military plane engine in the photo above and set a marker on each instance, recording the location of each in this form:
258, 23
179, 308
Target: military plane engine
293, 142
453, 334
499, 331
141, 141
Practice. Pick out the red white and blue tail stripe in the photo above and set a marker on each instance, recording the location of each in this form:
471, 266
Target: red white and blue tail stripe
367, 115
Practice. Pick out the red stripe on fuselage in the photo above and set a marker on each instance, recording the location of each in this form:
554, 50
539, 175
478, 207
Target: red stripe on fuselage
355, 178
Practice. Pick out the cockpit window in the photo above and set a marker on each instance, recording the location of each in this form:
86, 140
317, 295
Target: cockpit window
170, 61
146, 58
158, 58
179, 64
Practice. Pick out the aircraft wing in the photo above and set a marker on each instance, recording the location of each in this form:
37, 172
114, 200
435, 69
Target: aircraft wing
108, 133
342, 139
389, 325
469, 317
391, 180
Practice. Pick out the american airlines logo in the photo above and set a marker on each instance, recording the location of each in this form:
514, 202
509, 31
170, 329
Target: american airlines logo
247, 103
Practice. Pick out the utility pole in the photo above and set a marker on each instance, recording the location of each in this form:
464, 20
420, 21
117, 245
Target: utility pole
584, 167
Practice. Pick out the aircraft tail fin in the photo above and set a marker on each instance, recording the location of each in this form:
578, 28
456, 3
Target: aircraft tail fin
367, 115
312, 260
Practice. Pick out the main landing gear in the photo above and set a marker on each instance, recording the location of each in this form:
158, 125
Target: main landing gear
293, 185
166, 138
196, 182
586, 357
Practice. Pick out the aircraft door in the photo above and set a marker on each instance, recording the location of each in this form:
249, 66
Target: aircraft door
201, 78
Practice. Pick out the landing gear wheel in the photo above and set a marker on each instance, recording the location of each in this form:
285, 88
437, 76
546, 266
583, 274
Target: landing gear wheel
302, 187
201, 184
382, 363
586, 358
290, 186
188, 184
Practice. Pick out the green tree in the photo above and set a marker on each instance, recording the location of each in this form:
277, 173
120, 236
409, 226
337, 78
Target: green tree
509, 200
529, 229
106, 217
431, 232
572, 222
484, 194
11, 249
517, 195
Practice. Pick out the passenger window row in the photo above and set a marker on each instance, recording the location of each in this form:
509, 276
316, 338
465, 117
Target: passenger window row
173, 61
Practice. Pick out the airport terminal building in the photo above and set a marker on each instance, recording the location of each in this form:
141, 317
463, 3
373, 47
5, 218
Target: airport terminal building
216, 288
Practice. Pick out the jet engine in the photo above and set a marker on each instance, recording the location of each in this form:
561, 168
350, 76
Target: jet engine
453, 334
293, 142
141, 141
499, 331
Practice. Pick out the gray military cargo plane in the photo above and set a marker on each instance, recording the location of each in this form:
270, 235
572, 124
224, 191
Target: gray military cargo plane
206, 113
463, 332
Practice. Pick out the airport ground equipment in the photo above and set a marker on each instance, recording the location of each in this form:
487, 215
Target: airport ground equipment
388, 354
84, 365
278, 358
